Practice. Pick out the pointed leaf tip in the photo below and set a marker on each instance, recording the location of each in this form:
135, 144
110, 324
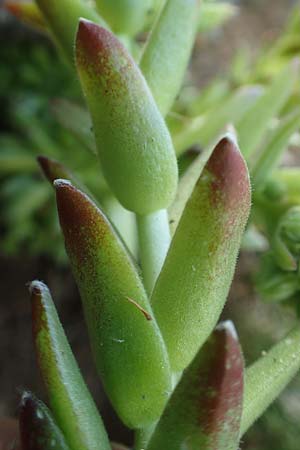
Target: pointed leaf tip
205, 409
106, 276
230, 183
130, 149
52, 169
91, 39
188, 301
38, 430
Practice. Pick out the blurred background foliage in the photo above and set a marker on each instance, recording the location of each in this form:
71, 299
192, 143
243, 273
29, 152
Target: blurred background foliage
246, 51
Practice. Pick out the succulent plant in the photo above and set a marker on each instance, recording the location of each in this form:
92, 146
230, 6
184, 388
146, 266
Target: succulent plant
173, 374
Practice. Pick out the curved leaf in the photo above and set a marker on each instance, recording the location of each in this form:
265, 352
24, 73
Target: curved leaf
71, 403
128, 348
194, 282
267, 377
168, 50
204, 412
134, 144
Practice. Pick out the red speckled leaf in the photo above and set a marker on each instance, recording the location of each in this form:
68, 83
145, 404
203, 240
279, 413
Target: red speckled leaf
134, 145
38, 430
194, 282
128, 348
204, 412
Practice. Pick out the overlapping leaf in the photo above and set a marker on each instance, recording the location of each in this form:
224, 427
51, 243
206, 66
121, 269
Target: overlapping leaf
133, 142
204, 412
38, 430
70, 401
126, 342
193, 285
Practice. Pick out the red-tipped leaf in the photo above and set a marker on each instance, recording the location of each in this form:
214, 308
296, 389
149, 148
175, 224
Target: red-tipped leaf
195, 279
204, 412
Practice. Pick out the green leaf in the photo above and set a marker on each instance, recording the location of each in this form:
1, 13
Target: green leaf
128, 348
75, 119
267, 377
168, 50
206, 129
125, 16
38, 430
252, 127
131, 149
62, 18
71, 403
269, 158
204, 412
194, 282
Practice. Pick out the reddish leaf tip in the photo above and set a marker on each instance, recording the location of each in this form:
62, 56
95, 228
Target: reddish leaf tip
51, 168
91, 37
231, 181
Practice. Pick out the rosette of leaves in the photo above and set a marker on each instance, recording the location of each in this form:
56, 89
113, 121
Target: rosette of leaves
61, 131
172, 373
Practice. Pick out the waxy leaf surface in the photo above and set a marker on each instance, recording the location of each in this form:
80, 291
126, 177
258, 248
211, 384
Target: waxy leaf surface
126, 342
168, 50
194, 282
38, 430
204, 412
134, 145
71, 403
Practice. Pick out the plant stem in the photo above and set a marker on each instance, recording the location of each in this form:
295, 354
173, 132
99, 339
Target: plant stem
154, 241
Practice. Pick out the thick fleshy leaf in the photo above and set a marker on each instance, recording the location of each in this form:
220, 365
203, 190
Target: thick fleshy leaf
194, 282
28, 13
267, 377
38, 430
269, 158
76, 119
204, 412
258, 117
71, 403
123, 219
206, 129
128, 348
168, 50
125, 16
134, 144
186, 186
62, 18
